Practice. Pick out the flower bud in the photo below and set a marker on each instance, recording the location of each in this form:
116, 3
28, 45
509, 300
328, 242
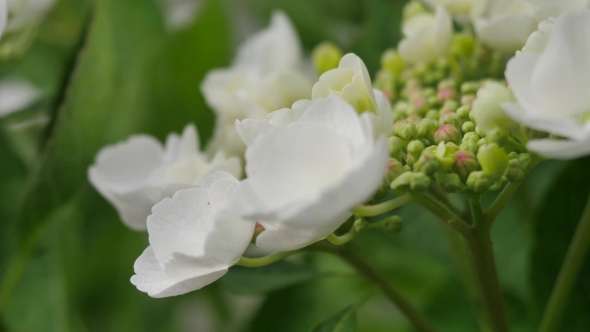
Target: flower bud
465, 163
515, 171
469, 146
326, 56
450, 182
393, 170
407, 131
447, 133
446, 83
427, 163
446, 94
396, 147
415, 147
433, 115
525, 159
493, 161
471, 137
467, 100
411, 181
482, 142
487, 112
497, 136
420, 105
463, 113
397, 126
445, 155
393, 62
470, 87
468, 127
410, 160
463, 45
392, 224
449, 118
479, 182
384, 81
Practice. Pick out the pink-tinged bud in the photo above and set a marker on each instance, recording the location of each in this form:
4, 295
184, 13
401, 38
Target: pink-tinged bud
467, 100
257, 230
466, 163
447, 133
421, 104
393, 170
415, 119
446, 94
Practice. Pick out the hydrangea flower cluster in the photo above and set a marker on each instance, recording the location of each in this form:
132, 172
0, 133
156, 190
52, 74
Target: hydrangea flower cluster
446, 114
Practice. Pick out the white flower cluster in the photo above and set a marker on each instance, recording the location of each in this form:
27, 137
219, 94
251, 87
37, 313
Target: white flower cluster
312, 154
18, 14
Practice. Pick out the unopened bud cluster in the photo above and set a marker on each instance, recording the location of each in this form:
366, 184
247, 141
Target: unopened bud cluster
436, 137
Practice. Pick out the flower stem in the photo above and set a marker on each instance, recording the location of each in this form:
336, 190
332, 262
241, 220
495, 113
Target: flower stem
375, 210
443, 212
266, 260
568, 274
342, 239
482, 255
419, 322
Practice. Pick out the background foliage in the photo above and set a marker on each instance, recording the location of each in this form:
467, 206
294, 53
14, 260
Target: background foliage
109, 69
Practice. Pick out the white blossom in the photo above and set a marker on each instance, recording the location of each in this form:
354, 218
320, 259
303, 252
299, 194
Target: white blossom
136, 174
16, 94
303, 178
180, 14
551, 87
427, 37
24, 13
267, 75
194, 239
454, 7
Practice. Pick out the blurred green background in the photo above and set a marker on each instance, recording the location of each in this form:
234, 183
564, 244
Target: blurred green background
109, 69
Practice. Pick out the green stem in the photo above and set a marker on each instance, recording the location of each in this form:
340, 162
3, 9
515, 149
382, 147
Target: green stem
482, 255
342, 239
416, 318
443, 212
266, 260
375, 210
566, 280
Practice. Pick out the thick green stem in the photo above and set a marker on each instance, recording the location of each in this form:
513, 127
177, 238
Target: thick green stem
342, 239
266, 260
375, 210
482, 255
419, 322
568, 275
443, 212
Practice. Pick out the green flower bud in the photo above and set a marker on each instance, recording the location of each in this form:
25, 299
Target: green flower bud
446, 94
468, 127
391, 225
482, 142
427, 163
361, 225
478, 182
487, 112
429, 92
426, 128
396, 147
471, 137
450, 182
393, 62
393, 170
420, 182
420, 105
445, 155
407, 168
447, 133
463, 45
463, 113
497, 136
465, 163
415, 148
452, 104
433, 115
467, 100
479, 132
515, 171
469, 146
410, 160
449, 118
493, 161
397, 126
407, 131
525, 159
470, 87
402, 182
326, 56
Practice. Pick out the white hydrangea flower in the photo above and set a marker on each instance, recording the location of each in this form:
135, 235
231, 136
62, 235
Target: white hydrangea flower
24, 13
454, 7
350, 81
427, 37
550, 87
15, 95
267, 75
250, 129
306, 176
180, 14
505, 25
194, 239
136, 174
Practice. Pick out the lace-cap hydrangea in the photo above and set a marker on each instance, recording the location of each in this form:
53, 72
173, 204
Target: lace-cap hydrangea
194, 239
136, 174
303, 178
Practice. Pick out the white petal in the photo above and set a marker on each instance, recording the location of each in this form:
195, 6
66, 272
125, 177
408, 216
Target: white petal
15, 94
283, 237
150, 278
507, 33
31, 13
419, 47
187, 145
180, 13
561, 127
384, 121
277, 47
560, 149
219, 89
334, 79
551, 8
353, 62
562, 72
232, 165
250, 129
443, 34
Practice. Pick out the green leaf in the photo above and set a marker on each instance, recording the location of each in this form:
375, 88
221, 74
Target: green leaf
555, 222
343, 321
268, 278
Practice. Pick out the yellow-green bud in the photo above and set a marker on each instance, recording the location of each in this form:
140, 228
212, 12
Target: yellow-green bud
445, 155
410, 159
467, 100
391, 225
487, 112
450, 182
465, 163
482, 142
515, 171
449, 118
396, 147
478, 182
393, 62
415, 147
427, 163
433, 115
407, 131
470, 87
447, 133
469, 146
493, 161
468, 127
393, 170
463, 113
326, 56
420, 182
471, 137
463, 45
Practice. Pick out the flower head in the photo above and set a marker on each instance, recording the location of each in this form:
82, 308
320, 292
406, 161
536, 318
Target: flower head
306, 176
140, 172
194, 239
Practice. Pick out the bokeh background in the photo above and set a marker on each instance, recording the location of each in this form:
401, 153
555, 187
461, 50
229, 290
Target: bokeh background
108, 69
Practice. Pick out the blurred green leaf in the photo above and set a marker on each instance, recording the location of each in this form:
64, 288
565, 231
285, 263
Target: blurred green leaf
555, 222
268, 278
343, 321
